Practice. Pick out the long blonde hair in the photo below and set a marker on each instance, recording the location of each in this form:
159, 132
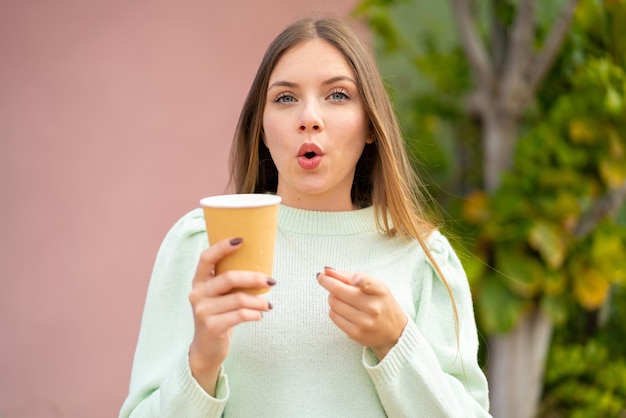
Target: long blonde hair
384, 176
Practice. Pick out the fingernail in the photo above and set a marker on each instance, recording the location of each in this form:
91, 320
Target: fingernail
329, 268
317, 275
271, 281
236, 241
270, 306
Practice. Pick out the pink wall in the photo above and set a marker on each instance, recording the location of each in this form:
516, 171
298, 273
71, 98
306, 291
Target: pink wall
115, 118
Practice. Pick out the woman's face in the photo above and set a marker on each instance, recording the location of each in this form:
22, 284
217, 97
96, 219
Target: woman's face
315, 126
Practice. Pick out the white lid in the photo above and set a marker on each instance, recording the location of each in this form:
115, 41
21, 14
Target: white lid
244, 200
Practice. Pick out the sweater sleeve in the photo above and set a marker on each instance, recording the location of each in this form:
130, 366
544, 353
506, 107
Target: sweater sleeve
428, 373
161, 383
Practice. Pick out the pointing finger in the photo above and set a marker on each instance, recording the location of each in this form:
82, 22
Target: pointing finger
364, 282
337, 274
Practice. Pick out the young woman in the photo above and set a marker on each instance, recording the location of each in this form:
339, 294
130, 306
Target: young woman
386, 331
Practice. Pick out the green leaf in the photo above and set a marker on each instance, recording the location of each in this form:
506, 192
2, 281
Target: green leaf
607, 246
473, 265
547, 239
498, 309
520, 272
555, 308
614, 101
555, 282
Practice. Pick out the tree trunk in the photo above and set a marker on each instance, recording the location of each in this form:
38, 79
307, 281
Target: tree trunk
516, 359
499, 138
516, 366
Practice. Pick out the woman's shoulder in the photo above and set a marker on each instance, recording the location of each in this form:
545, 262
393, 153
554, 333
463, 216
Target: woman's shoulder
443, 252
190, 223
189, 227
438, 244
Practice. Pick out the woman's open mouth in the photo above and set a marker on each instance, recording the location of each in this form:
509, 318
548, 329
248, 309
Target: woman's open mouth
309, 156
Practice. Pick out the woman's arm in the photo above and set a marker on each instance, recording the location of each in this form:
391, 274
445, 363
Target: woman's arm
427, 373
161, 382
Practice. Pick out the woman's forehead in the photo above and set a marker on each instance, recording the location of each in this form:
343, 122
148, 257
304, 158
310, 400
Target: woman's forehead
314, 57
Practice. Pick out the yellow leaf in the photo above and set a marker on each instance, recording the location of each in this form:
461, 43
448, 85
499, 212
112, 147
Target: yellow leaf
476, 207
615, 144
582, 131
613, 172
566, 205
590, 288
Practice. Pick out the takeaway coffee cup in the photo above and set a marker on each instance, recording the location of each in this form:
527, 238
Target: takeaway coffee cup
254, 218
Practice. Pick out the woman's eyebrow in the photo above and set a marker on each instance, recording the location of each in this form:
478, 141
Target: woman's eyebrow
339, 78
290, 84
281, 83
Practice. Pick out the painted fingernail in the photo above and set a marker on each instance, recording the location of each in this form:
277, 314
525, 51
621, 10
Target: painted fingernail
271, 281
236, 241
329, 268
317, 275
270, 306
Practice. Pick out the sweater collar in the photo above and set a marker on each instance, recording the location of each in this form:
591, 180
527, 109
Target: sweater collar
311, 222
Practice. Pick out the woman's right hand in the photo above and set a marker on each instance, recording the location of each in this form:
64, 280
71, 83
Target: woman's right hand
216, 311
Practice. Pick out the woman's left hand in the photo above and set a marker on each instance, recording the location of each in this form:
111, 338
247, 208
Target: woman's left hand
364, 308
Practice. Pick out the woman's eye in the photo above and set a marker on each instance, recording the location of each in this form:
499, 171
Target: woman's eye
339, 96
285, 98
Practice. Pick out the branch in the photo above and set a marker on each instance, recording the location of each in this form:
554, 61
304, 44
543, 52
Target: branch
474, 48
498, 37
514, 88
545, 58
521, 38
601, 209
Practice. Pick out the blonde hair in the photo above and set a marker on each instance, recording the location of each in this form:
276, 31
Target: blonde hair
384, 177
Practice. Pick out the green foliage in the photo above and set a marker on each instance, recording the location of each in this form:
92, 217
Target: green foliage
571, 154
375, 12
579, 383
521, 244
586, 368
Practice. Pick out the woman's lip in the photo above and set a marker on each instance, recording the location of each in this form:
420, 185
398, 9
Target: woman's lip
309, 163
309, 147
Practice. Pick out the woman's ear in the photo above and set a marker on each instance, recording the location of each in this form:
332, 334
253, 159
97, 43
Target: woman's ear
372, 137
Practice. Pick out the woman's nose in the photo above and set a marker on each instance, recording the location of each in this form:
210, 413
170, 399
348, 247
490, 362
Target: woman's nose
310, 118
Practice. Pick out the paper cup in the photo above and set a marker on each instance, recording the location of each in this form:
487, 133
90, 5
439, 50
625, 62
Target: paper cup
254, 218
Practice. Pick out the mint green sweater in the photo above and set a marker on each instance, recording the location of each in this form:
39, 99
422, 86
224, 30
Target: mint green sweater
295, 362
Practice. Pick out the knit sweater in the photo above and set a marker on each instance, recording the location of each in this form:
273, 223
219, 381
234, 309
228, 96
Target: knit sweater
295, 362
